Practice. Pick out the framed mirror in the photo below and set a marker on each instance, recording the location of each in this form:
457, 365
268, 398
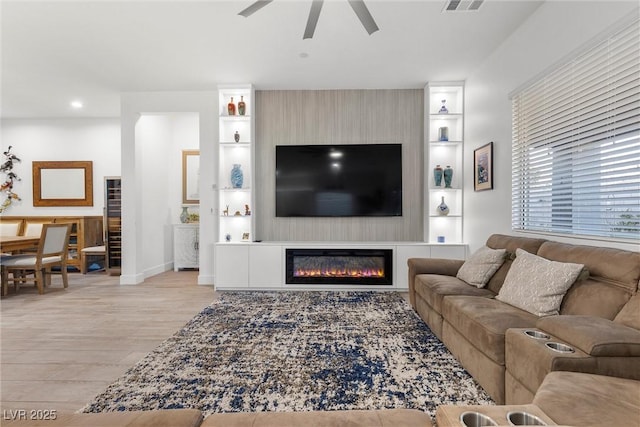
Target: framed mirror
63, 183
190, 177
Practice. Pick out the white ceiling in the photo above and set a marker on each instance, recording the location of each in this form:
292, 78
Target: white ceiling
57, 51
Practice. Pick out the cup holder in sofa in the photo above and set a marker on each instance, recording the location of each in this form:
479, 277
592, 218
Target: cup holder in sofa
519, 418
560, 348
476, 419
539, 335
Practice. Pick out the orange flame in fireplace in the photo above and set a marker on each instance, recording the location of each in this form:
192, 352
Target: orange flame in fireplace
335, 272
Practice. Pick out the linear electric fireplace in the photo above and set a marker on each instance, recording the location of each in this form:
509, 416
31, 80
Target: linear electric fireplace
339, 266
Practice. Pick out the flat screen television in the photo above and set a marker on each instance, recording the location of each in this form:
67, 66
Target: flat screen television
339, 180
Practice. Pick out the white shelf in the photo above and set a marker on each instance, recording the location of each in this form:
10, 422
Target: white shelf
232, 153
449, 153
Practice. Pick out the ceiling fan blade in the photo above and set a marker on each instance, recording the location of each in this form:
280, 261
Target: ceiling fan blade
314, 14
365, 17
254, 8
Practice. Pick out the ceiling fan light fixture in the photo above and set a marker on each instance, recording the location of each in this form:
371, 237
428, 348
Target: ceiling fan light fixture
312, 21
462, 5
358, 6
254, 7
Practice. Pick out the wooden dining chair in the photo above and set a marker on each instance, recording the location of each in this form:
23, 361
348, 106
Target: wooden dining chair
36, 268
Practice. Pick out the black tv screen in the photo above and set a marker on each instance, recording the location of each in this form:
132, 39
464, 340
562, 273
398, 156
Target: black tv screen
339, 180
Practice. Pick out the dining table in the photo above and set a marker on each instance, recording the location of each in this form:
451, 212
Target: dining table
10, 244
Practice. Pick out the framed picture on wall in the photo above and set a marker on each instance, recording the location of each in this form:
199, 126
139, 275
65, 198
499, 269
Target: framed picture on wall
483, 167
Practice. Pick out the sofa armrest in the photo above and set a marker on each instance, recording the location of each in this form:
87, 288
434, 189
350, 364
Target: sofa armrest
445, 267
593, 335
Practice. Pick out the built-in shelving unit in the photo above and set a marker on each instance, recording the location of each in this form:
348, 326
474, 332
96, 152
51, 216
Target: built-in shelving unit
236, 147
113, 224
444, 147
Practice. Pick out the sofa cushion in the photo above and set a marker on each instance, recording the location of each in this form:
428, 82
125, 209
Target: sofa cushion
354, 418
593, 335
484, 322
483, 264
617, 266
580, 399
614, 276
510, 243
537, 285
153, 418
434, 287
629, 316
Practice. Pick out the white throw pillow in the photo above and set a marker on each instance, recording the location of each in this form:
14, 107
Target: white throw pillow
536, 284
481, 266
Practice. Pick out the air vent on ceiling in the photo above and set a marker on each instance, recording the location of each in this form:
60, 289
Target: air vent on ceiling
462, 5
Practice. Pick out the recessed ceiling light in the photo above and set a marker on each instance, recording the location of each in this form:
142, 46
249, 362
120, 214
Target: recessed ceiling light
304, 55
76, 105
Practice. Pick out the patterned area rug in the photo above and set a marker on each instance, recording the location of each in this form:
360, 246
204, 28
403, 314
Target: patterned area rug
297, 351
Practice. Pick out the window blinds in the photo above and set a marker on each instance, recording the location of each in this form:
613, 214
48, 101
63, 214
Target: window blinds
576, 144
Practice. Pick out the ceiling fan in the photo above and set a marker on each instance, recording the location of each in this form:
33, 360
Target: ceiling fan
358, 7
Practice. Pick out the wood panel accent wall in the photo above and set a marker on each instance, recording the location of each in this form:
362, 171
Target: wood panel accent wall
340, 117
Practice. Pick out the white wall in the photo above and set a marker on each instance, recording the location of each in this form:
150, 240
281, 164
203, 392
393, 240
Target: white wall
151, 181
162, 138
97, 140
552, 33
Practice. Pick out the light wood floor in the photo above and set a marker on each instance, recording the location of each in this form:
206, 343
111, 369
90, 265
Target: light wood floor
60, 349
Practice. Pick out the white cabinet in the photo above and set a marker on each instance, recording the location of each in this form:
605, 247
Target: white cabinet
444, 146
266, 266
262, 265
232, 266
186, 247
236, 163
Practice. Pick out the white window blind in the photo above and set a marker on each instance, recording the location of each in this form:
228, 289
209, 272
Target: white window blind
576, 144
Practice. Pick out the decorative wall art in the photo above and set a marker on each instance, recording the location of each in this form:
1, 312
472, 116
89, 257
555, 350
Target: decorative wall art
10, 177
190, 177
63, 183
483, 167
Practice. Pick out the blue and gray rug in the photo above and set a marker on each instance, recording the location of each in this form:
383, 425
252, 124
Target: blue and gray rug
297, 351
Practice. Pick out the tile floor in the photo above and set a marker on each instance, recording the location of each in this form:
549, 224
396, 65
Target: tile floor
60, 349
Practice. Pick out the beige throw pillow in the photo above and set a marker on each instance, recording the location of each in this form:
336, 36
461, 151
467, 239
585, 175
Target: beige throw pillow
481, 266
536, 284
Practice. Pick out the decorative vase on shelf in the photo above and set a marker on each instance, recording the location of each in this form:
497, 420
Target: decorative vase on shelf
236, 137
443, 108
241, 106
237, 177
437, 176
184, 216
443, 134
448, 176
442, 208
231, 108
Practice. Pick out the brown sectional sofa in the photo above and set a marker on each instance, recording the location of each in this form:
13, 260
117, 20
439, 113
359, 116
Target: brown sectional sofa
564, 398
599, 318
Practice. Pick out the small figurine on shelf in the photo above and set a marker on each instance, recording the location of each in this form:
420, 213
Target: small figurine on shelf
236, 137
443, 109
227, 237
226, 211
231, 108
237, 213
247, 211
241, 106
